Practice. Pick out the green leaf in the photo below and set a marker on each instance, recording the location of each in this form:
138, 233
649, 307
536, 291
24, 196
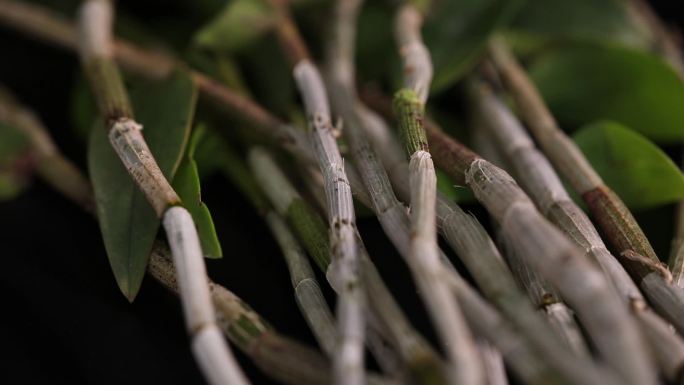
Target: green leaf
187, 185
240, 23
83, 108
639, 172
586, 82
127, 221
15, 162
540, 21
456, 32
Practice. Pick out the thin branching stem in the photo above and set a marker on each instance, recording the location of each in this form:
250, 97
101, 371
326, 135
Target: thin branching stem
48, 160
95, 46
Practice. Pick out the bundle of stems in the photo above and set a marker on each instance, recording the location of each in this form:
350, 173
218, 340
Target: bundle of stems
542, 294
580, 282
278, 356
308, 293
538, 177
612, 216
391, 213
423, 256
154, 65
283, 196
473, 245
53, 28
533, 358
548, 251
348, 361
422, 362
480, 255
210, 349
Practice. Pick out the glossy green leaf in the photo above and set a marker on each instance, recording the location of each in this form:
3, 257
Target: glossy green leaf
239, 24
456, 33
540, 21
586, 82
187, 185
639, 172
15, 162
127, 221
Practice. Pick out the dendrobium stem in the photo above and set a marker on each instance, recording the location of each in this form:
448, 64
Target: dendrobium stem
278, 356
558, 260
96, 47
423, 257
348, 361
340, 69
422, 362
609, 212
473, 245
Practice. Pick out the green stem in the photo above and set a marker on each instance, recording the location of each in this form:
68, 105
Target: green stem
410, 115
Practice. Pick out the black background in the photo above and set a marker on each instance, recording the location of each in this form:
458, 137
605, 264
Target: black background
63, 319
